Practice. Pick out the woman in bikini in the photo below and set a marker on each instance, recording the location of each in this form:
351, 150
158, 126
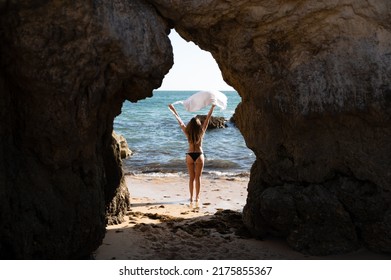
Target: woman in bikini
195, 159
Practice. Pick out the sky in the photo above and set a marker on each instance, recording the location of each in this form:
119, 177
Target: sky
193, 69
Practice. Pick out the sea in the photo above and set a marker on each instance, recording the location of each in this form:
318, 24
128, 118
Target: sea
159, 146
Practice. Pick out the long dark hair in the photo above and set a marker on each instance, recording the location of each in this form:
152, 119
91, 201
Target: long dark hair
194, 131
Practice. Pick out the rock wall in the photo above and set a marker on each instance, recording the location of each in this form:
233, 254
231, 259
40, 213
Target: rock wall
66, 68
314, 78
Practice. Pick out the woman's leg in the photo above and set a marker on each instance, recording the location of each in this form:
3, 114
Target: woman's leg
199, 166
190, 168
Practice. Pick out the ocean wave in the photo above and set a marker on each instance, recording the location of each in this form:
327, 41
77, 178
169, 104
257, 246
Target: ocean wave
178, 166
218, 174
156, 174
208, 174
221, 164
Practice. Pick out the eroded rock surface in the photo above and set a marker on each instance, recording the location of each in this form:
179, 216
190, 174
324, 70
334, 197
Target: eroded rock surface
214, 122
120, 140
314, 78
66, 68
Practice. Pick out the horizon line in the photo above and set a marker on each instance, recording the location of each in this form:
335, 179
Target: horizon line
193, 89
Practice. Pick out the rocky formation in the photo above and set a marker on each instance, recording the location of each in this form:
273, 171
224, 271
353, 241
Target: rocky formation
314, 78
125, 152
117, 198
66, 68
214, 122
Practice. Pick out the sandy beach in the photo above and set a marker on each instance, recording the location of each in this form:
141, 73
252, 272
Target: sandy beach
163, 224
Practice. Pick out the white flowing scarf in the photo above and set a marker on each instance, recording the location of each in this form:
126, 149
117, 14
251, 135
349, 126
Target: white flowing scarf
202, 99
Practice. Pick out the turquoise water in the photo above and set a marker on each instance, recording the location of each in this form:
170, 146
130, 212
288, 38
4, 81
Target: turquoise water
159, 144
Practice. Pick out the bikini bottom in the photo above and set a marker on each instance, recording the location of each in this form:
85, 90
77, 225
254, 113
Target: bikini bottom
194, 155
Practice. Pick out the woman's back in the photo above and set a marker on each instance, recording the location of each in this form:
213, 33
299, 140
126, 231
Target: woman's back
195, 133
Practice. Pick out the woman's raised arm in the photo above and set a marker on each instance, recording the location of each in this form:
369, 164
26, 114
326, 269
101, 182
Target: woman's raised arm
178, 118
206, 122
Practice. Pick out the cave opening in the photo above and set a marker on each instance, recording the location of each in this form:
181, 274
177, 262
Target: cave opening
156, 173
153, 135
158, 144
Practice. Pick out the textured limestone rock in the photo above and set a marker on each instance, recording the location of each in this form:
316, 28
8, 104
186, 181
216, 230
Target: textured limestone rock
117, 199
66, 68
293, 211
125, 152
314, 78
214, 122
